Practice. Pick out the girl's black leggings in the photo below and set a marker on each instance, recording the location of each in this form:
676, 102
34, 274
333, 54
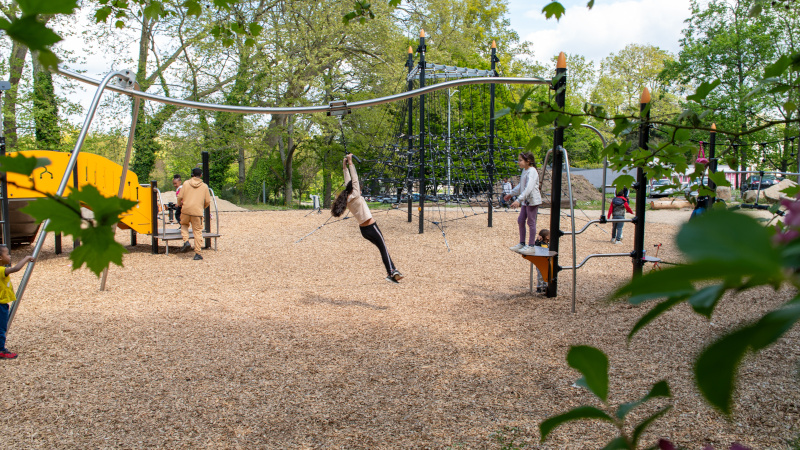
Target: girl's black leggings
373, 234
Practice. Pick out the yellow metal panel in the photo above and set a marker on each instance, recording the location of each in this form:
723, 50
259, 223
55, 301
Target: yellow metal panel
92, 169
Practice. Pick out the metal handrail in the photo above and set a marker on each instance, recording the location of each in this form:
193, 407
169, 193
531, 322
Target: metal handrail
307, 109
161, 212
216, 213
759, 171
599, 221
596, 255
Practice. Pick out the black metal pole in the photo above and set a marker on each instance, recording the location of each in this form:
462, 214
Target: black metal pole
422, 186
133, 237
491, 132
641, 188
207, 212
154, 216
712, 159
558, 166
410, 134
5, 212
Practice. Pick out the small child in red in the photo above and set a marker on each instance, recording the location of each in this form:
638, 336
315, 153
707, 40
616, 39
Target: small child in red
619, 205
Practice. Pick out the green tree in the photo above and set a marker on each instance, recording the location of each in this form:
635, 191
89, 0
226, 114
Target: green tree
45, 108
623, 76
722, 41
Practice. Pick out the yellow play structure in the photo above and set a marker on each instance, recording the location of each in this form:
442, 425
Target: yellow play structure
90, 170
101, 173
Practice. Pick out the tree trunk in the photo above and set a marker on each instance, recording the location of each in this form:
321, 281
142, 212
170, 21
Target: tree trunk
45, 108
327, 188
287, 164
16, 63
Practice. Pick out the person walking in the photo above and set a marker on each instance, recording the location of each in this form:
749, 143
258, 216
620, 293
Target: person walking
193, 199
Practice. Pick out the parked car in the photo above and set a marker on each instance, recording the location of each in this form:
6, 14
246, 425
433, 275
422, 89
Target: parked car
662, 188
753, 182
414, 198
690, 189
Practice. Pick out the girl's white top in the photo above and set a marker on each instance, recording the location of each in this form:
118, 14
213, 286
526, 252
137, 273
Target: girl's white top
355, 202
527, 191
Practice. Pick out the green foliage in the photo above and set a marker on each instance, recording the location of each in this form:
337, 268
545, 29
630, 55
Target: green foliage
554, 9
48, 134
718, 255
593, 365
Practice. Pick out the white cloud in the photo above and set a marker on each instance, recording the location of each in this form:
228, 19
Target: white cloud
605, 29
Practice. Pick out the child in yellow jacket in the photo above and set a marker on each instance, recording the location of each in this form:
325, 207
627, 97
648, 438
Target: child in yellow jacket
7, 295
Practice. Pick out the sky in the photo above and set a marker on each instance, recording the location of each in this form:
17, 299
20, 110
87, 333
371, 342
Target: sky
607, 28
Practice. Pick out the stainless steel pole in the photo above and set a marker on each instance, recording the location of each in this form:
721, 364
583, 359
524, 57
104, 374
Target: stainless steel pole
125, 165
125, 75
605, 169
572, 216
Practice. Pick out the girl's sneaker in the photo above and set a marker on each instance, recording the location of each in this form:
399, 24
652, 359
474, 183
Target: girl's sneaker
5, 354
517, 247
527, 250
397, 275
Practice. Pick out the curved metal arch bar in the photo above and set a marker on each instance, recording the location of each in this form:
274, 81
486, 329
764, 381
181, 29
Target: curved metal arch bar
306, 109
73, 159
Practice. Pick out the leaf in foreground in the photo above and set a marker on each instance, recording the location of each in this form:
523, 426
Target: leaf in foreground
593, 364
579, 413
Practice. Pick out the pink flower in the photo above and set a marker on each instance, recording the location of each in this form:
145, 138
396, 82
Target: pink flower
791, 221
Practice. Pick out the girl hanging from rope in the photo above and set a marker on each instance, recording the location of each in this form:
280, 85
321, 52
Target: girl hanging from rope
528, 200
350, 198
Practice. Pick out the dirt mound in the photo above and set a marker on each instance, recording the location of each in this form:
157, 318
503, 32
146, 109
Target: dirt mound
582, 189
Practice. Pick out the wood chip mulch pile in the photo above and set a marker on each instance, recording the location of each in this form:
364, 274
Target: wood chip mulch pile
268, 343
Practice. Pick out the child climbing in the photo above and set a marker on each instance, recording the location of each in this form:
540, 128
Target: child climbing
543, 240
350, 198
617, 211
528, 200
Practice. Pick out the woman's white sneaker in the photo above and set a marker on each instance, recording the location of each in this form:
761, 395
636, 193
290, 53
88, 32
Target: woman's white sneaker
517, 247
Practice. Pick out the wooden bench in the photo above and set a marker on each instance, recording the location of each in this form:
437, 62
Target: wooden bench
543, 262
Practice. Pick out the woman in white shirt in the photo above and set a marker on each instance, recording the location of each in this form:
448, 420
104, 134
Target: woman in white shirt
350, 198
528, 200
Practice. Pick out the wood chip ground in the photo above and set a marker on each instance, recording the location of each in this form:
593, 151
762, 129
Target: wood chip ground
269, 343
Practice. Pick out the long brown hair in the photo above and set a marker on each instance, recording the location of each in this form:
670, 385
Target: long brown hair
528, 156
340, 204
